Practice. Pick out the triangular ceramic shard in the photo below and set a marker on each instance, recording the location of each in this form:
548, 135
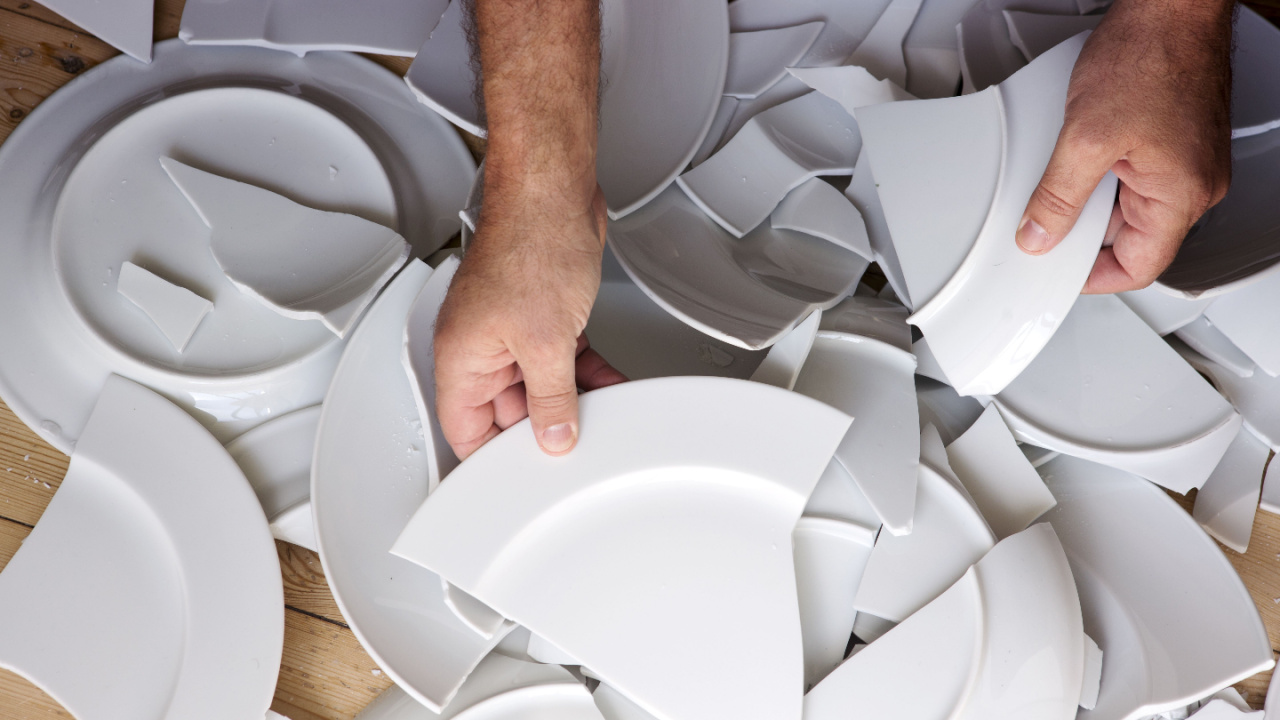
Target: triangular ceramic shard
715, 135
941, 407
441, 74
1205, 338
926, 364
870, 317
1092, 682
837, 497
387, 27
652, 503
1255, 90
1216, 709
563, 701
494, 675
868, 378
816, 208
851, 86
126, 25
933, 452
881, 50
479, 617
1037, 33
614, 705
1162, 310
276, 459
829, 556
175, 310
1226, 504
300, 262
1013, 615
1132, 548
864, 196
1152, 415
774, 152
1248, 317
1256, 397
544, 651
846, 23
781, 366
932, 49
155, 528
1007, 489
420, 365
760, 58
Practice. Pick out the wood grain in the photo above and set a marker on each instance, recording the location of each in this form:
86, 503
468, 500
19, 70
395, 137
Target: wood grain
325, 671
305, 587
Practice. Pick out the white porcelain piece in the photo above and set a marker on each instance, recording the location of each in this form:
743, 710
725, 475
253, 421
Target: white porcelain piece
441, 74
933, 452
1152, 415
872, 318
1036, 33
829, 556
419, 364
816, 208
760, 58
486, 621
556, 701
247, 364
395, 607
1256, 397
781, 366
175, 310
783, 91
1132, 548
850, 85
1270, 497
869, 628
941, 407
1246, 317
544, 651
385, 27
614, 705
631, 519
881, 51
987, 53
1092, 682
1207, 339
1009, 493
1163, 311
1003, 641
773, 154
932, 49
847, 24
1037, 456
1255, 91
302, 262
715, 136
1223, 710
516, 644
1227, 502
864, 196
124, 25
837, 497
155, 528
748, 292
906, 572
1231, 696
276, 459
926, 364
870, 379
296, 525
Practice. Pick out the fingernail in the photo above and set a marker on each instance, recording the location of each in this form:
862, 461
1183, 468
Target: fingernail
1032, 237
558, 438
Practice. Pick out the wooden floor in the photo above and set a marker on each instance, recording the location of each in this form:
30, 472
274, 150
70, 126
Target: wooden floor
325, 673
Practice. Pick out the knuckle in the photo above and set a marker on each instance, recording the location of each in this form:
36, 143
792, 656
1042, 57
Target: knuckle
1055, 202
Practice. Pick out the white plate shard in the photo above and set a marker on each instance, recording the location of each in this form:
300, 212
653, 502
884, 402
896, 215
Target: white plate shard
1256, 397
154, 527
987, 53
933, 452
300, 262
126, 25
932, 49
774, 153
1007, 489
1247, 317
760, 58
561, 701
872, 318
881, 51
1270, 498
1228, 500
847, 24
1205, 338
941, 407
276, 459
420, 365
175, 310
864, 196
781, 366
1037, 33
1255, 108
1217, 709
837, 497
1163, 311
487, 623
869, 378
816, 208
716, 134
851, 86
1092, 682
633, 531
1013, 615
830, 556
543, 651
614, 705
386, 27
1152, 415
441, 74
1159, 655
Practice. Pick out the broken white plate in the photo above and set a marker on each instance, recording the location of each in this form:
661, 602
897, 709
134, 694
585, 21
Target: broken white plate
906, 572
985, 306
881, 51
932, 49
155, 528
301, 262
1132, 548
1003, 642
476, 615
847, 24
941, 407
864, 196
175, 310
851, 86
773, 154
837, 497
543, 651
614, 705
124, 25
650, 124
556, 701
1255, 91
276, 459
781, 366
1247, 317
370, 471
1152, 415
816, 208
748, 292
496, 674
398, 163
419, 363
1089, 688
1162, 310
868, 378
631, 519
385, 27
1223, 710
1037, 33
1007, 489
987, 53
829, 556
716, 134
760, 58
1256, 397
1227, 502
1270, 499
870, 317
1203, 336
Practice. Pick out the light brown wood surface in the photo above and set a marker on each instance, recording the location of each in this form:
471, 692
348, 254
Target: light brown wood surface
325, 674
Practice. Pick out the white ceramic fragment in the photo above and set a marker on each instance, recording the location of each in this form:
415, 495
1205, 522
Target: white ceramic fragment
301, 262
926, 364
851, 86
987, 53
1036, 33
881, 51
487, 623
1256, 397
1011, 619
614, 705
562, 701
420, 365
494, 675
544, 651
1255, 91
773, 153
847, 24
932, 49
1037, 456
837, 497
441, 74
124, 25
869, 378
816, 208
869, 628
941, 407
1152, 415
864, 196
1009, 493
1270, 498
276, 459
1203, 336
1248, 317
1092, 682
872, 318
631, 520
1223, 710
781, 366
1163, 311
760, 58
386, 27
175, 310
933, 452
1132, 548
155, 528
830, 557
1228, 500
716, 134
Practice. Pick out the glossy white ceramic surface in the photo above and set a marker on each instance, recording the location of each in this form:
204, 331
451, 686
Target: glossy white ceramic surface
781, 366
276, 459
441, 74
1255, 90
1159, 655
1227, 502
175, 310
155, 528
1034, 34
862, 192
631, 519
941, 407
1162, 310
1256, 397
1203, 336
715, 136
486, 621
871, 318
52, 378
614, 705
850, 85
1270, 498
386, 27
126, 25
1248, 317
987, 53
419, 363
932, 49
817, 208
1223, 710
496, 674
557, 701
837, 497
881, 51
847, 23
760, 58
1092, 682
830, 556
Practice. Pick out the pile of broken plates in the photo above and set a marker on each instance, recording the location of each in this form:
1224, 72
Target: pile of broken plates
819, 498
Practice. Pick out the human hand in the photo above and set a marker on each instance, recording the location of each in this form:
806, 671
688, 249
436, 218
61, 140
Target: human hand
1150, 101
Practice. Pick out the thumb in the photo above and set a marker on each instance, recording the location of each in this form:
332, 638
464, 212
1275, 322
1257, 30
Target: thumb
552, 396
1075, 169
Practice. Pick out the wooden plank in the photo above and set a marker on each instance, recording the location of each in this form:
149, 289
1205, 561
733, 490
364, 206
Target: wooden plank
30, 470
325, 671
20, 700
305, 587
